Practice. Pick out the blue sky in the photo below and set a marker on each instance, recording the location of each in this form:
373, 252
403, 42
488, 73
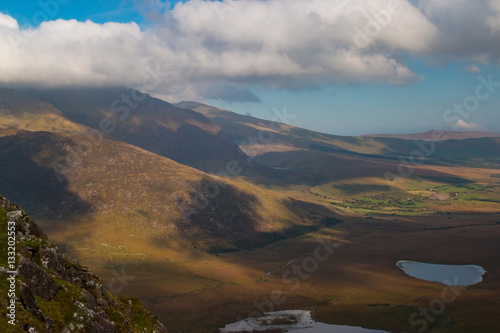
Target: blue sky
404, 81
99, 11
381, 108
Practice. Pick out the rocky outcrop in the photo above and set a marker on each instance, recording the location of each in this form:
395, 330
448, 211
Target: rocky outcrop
55, 293
38, 280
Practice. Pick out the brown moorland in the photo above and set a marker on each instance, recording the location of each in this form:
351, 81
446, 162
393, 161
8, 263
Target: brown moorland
359, 284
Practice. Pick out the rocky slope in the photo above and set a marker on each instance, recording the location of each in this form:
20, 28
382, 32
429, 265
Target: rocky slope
55, 293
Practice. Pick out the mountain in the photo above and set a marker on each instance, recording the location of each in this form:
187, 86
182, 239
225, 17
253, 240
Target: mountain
113, 190
428, 136
276, 135
285, 143
109, 203
56, 293
20, 111
68, 175
143, 121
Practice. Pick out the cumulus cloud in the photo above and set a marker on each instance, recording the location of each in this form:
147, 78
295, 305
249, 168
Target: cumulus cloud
468, 29
8, 22
462, 125
70, 52
220, 49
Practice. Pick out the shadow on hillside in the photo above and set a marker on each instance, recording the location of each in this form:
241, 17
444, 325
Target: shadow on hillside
152, 124
218, 216
27, 178
337, 167
233, 222
310, 217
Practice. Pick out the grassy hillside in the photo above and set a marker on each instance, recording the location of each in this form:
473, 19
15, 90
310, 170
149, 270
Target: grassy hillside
283, 137
118, 193
55, 293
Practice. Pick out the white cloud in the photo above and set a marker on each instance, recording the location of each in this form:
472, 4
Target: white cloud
468, 29
473, 69
462, 125
8, 22
233, 45
71, 52
494, 19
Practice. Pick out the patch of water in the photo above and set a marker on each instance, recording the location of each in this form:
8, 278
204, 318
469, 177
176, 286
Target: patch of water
450, 275
291, 321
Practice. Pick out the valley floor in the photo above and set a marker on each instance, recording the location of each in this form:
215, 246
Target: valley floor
345, 274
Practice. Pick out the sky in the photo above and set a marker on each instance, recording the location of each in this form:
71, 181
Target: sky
346, 67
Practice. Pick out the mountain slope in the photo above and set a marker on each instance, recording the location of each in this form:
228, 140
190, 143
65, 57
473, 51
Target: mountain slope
282, 137
19, 111
152, 124
119, 192
56, 293
474, 152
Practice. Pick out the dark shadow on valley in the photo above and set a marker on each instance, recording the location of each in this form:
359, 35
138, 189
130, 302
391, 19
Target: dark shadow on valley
449, 180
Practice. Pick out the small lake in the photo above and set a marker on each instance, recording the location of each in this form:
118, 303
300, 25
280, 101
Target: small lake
291, 321
450, 275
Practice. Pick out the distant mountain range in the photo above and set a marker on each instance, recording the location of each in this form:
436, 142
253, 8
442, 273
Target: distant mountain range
429, 135
473, 150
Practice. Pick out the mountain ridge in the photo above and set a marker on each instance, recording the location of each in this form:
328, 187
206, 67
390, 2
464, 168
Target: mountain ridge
287, 139
431, 135
146, 122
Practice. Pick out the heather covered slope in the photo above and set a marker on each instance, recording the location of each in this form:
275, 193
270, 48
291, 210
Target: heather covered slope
55, 293
116, 191
152, 124
284, 137
472, 152
20, 111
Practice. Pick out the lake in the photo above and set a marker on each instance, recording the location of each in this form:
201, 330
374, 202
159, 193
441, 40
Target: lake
291, 321
450, 275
